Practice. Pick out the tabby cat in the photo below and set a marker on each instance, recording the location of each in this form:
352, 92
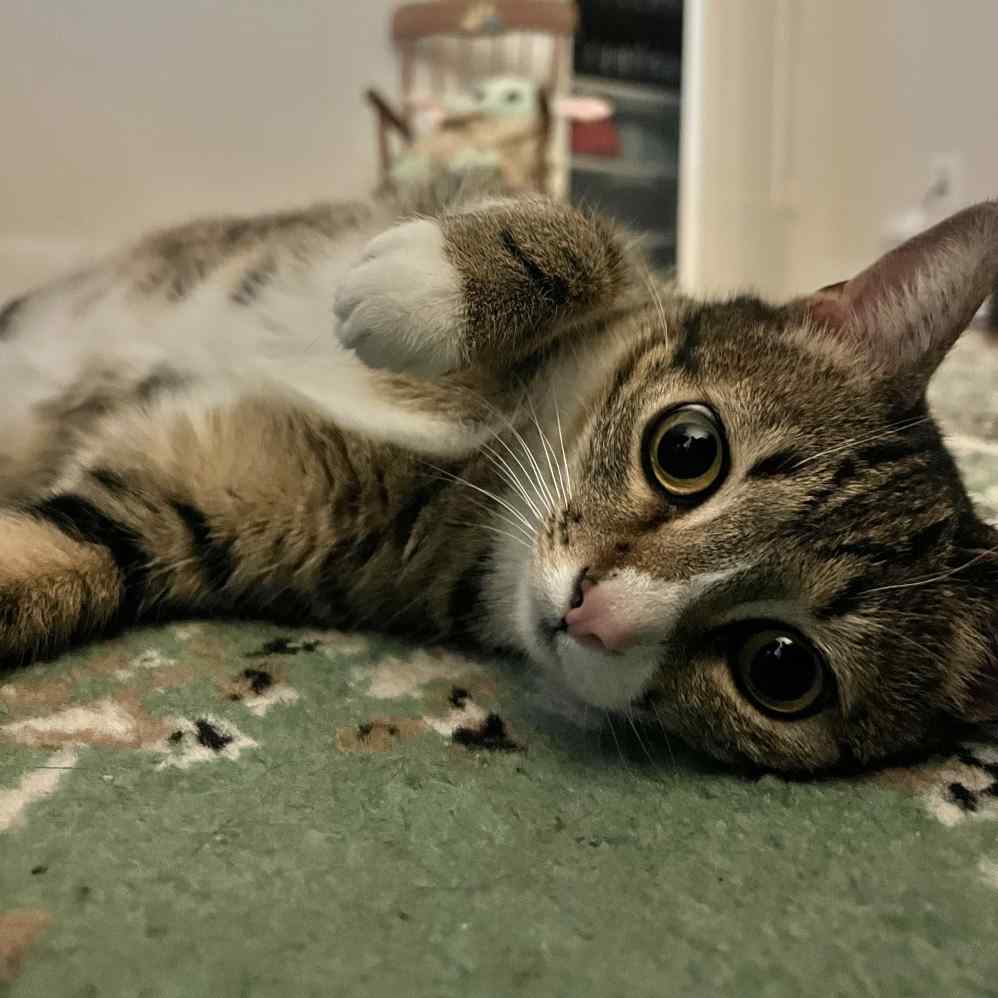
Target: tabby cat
489, 423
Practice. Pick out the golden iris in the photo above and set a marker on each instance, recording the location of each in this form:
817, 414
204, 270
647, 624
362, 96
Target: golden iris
779, 672
685, 452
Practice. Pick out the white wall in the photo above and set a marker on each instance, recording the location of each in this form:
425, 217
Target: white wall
120, 114
814, 124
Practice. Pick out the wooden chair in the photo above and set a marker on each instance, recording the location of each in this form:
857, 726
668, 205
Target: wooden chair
445, 45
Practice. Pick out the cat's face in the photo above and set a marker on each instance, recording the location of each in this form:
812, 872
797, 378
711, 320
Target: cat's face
767, 548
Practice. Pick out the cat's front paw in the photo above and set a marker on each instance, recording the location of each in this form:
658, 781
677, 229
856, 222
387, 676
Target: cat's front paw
401, 305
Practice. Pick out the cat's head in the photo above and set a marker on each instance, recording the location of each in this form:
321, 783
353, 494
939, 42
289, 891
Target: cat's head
767, 547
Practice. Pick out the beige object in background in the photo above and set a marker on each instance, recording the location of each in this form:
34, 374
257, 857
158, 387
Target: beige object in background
808, 127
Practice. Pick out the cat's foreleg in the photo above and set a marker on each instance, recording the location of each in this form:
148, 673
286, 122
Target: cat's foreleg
484, 286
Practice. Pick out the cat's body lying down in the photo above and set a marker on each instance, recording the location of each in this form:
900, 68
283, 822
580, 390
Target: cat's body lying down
735, 518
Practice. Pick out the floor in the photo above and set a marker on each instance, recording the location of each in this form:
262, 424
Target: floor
233, 809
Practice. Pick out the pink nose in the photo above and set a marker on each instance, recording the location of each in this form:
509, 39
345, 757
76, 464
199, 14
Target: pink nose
595, 623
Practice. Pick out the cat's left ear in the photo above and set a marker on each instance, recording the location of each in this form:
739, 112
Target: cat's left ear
909, 308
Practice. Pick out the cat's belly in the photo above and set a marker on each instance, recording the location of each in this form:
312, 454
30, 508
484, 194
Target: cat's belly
74, 354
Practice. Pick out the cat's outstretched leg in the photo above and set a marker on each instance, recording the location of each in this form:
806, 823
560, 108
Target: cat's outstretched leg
485, 286
65, 574
249, 507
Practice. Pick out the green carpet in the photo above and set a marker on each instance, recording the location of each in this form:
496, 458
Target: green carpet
233, 809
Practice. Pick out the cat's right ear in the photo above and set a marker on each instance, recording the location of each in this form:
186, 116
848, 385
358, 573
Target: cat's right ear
906, 310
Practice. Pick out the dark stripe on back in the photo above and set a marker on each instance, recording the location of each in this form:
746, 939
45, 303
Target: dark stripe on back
7, 315
407, 516
213, 553
365, 546
254, 281
553, 287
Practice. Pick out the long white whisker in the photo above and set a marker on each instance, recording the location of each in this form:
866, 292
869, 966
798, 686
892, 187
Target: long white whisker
858, 442
512, 478
548, 451
485, 492
613, 731
492, 512
649, 281
558, 463
932, 578
665, 733
537, 479
493, 530
541, 481
641, 741
531, 477
564, 456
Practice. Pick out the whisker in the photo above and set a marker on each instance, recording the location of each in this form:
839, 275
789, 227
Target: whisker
561, 441
541, 480
548, 450
512, 478
491, 511
650, 284
859, 441
616, 742
665, 733
485, 492
641, 741
928, 580
532, 476
493, 530
938, 657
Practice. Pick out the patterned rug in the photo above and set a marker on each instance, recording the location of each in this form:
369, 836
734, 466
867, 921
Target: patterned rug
233, 809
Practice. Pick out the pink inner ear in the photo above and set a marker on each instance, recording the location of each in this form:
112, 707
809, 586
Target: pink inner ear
826, 305
907, 309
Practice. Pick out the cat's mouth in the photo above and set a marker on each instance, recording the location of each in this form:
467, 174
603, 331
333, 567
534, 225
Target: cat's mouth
612, 680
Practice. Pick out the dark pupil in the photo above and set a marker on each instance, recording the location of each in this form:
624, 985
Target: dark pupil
782, 670
687, 450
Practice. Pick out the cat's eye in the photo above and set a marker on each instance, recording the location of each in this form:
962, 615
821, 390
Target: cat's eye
685, 452
779, 672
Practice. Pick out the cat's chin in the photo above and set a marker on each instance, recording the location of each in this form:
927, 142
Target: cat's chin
612, 681
595, 677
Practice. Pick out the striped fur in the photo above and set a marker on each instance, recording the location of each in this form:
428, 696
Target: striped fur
190, 435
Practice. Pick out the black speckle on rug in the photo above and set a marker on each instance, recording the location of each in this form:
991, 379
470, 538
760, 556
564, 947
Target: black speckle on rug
459, 697
210, 737
259, 680
491, 735
283, 646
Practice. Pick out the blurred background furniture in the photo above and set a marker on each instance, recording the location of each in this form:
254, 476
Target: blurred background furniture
630, 52
445, 46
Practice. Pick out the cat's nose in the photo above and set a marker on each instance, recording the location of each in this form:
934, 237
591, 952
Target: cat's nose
592, 621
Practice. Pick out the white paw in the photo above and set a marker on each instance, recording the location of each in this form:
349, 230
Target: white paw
400, 306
